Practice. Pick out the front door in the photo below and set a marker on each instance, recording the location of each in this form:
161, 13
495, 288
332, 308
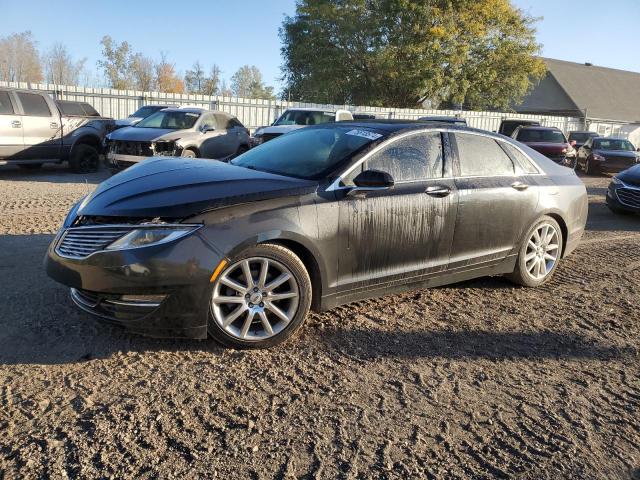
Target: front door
495, 202
11, 141
220, 143
41, 126
401, 234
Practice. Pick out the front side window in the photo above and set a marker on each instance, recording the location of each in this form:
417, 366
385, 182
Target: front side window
414, 157
6, 108
34, 105
308, 153
305, 117
482, 157
169, 119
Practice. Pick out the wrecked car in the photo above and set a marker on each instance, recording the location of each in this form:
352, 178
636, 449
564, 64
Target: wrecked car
140, 114
319, 217
178, 132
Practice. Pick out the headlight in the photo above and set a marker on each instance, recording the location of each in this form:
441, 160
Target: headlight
617, 181
145, 237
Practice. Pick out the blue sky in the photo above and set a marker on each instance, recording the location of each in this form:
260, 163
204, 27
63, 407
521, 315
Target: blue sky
233, 33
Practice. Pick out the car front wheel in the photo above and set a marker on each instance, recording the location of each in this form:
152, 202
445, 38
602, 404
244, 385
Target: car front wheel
260, 299
539, 254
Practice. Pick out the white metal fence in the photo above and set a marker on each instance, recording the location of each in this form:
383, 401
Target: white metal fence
256, 112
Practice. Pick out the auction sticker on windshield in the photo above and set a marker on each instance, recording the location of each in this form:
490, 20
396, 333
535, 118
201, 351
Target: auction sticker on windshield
364, 134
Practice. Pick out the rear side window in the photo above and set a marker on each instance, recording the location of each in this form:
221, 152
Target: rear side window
520, 158
6, 108
223, 121
71, 108
34, 105
234, 122
482, 157
89, 110
415, 157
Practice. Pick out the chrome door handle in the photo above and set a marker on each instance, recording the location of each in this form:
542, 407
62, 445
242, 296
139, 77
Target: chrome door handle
53, 125
519, 186
438, 191
16, 124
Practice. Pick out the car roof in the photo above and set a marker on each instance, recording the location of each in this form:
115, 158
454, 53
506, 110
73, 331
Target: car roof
538, 127
523, 121
584, 131
441, 118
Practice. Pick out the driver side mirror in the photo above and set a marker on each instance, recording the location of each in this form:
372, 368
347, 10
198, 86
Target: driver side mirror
371, 181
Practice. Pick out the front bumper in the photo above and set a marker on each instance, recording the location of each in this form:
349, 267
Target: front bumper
171, 280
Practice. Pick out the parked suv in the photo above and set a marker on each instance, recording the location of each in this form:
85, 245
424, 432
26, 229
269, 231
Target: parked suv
549, 141
175, 132
295, 118
580, 138
509, 125
34, 129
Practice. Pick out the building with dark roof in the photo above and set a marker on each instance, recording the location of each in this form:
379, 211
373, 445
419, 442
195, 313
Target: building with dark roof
587, 91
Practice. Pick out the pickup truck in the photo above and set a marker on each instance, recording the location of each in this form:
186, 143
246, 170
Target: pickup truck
35, 129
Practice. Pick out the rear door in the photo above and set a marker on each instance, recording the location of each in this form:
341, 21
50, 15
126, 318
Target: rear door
11, 138
496, 202
218, 144
41, 127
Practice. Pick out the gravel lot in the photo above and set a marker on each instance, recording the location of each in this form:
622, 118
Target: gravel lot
480, 379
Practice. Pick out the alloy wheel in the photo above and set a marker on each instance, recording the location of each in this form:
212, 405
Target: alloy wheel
543, 249
255, 299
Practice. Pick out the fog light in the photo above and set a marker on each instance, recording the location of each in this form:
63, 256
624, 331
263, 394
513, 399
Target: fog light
143, 298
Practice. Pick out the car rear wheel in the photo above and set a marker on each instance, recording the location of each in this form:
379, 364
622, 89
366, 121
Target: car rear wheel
188, 153
539, 254
260, 299
84, 158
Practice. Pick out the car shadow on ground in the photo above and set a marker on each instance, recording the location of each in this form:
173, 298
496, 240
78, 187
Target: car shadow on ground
52, 173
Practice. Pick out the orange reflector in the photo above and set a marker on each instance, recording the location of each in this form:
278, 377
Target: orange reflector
219, 268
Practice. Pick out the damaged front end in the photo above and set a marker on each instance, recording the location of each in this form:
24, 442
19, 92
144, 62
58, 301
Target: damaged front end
166, 148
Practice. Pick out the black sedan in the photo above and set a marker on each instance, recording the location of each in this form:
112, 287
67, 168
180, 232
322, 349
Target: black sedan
316, 218
606, 155
623, 194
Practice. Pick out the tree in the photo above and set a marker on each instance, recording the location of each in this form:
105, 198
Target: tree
19, 59
247, 82
212, 82
60, 68
166, 78
115, 63
142, 72
480, 53
194, 79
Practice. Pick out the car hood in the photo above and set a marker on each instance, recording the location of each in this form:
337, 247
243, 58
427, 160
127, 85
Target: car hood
179, 188
138, 134
631, 175
545, 147
616, 153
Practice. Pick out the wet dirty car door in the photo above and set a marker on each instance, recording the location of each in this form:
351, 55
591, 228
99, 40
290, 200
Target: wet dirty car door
404, 232
495, 202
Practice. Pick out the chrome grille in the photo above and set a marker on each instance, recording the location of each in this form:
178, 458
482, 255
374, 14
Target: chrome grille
81, 242
629, 197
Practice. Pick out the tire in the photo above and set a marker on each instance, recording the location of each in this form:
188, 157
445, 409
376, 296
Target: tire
188, 153
84, 159
241, 314
30, 166
526, 273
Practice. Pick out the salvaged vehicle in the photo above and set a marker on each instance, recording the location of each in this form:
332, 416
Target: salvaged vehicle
623, 194
35, 129
606, 155
508, 125
140, 114
186, 132
316, 218
295, 118
549, 141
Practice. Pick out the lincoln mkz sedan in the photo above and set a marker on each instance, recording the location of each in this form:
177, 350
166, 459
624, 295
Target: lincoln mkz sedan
316, 218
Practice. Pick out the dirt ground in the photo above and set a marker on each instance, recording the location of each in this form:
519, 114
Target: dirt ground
476, 380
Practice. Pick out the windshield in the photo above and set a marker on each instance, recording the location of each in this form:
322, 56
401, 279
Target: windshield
307, 153
304, 117
169, 119
144, 112
580, 137
546, 136
613, 144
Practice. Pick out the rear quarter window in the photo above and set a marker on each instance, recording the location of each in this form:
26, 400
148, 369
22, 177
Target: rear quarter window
34, 105
523, 161
481, 156
6, 107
